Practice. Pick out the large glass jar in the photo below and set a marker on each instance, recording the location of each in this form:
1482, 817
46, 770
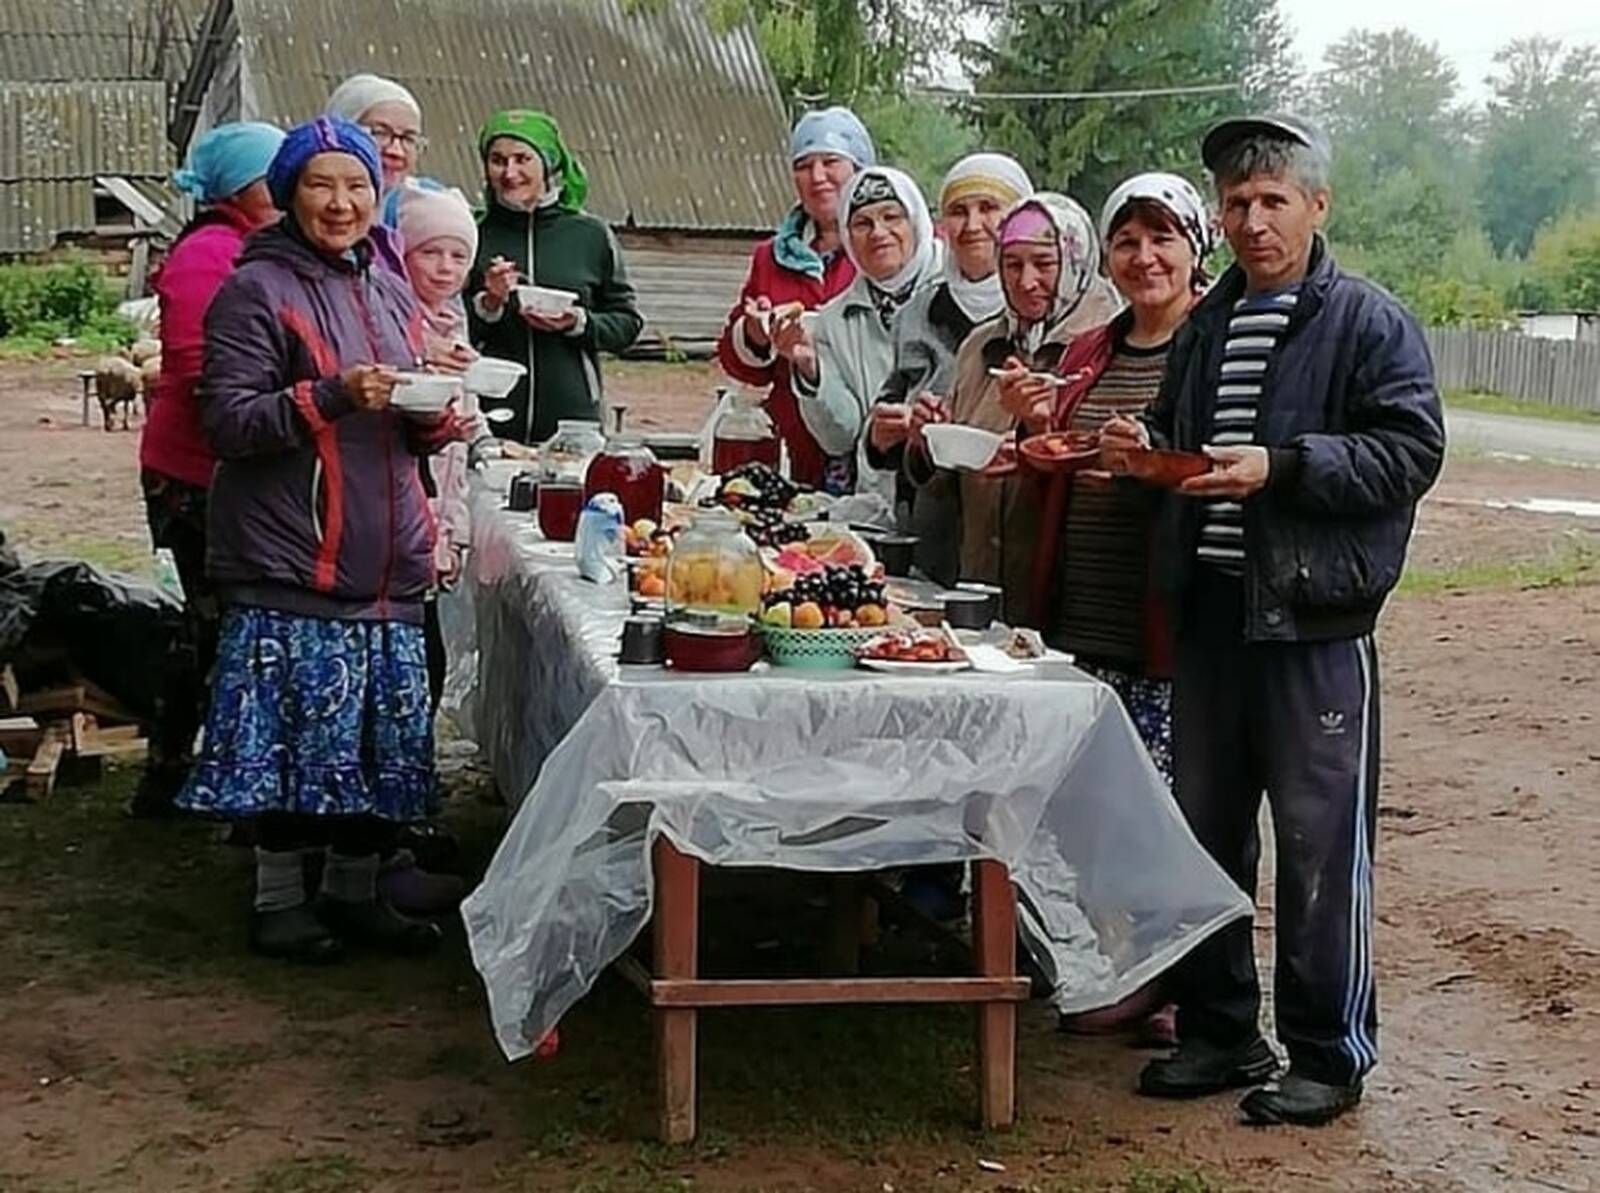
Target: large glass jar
743, 433
714, 576
629, 469
563, 464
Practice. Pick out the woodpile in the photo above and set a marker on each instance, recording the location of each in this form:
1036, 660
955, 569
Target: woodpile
65, 730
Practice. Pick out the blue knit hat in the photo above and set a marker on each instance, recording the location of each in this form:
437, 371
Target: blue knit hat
324, 134
833, 130
228, 158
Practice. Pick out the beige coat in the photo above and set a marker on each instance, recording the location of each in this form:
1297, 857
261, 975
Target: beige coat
1000, 515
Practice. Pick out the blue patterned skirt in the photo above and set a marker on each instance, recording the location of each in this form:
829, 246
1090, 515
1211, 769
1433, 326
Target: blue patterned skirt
317, 717
1149, 705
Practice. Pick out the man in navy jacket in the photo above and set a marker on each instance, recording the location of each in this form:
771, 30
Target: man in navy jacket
1313, 393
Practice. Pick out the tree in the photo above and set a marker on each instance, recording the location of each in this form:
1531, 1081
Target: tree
1389, 104
1541, 147
1100, 45
1564, 264
838, 51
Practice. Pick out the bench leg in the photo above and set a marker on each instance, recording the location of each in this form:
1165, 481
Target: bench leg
994, 946
676, 940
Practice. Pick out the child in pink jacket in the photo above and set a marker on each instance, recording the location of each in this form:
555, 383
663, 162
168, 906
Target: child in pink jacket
441, 238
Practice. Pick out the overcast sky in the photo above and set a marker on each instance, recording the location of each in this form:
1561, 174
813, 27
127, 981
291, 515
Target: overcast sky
1468, 31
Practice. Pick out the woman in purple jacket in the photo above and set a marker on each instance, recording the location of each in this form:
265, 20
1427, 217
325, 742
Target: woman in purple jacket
321, 547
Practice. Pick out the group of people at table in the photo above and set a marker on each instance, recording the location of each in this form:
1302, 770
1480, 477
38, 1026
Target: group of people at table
312, 526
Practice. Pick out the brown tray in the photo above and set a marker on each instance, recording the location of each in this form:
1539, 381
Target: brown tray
1062, 451
1166, 468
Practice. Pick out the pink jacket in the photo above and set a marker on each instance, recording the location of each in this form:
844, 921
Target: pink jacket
173, 443
441, 331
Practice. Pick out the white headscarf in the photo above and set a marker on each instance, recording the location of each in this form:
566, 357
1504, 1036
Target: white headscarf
1179, 196
1001, 178
878, 184
1073, 232
359, 94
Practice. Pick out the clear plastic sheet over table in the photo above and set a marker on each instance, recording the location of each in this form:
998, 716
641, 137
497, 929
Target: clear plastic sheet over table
808, 771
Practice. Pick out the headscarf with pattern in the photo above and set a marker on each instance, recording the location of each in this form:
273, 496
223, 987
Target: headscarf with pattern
884, 184
1051, 218
1179, 197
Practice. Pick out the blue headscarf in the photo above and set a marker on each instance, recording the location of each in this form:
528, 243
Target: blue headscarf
833, 130
226, 159
324, 134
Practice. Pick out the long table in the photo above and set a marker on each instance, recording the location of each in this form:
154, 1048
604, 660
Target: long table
626, 779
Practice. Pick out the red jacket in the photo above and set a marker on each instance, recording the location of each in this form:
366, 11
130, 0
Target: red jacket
200, 261
809, 280
1082, 364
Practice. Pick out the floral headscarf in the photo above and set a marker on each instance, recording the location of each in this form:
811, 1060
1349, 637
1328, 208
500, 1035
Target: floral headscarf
1048, 217
1179, 198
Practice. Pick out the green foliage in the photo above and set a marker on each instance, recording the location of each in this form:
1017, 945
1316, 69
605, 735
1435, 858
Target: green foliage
48, 302
921, 136
839, 51
1541, 141
1098, 45
1564, 265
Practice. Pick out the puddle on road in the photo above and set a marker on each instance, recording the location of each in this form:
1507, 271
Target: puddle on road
1550, 505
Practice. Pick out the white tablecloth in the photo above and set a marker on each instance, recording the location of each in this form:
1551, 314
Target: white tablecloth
804, 770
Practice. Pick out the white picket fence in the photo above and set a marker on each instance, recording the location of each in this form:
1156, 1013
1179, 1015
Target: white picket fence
1558, 372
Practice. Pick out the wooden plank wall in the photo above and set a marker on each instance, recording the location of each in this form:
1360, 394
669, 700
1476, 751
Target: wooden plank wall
1557, 372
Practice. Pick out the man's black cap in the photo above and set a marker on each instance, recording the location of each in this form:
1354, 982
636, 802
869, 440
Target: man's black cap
1279, 126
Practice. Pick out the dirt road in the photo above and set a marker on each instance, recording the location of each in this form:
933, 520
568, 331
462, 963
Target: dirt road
141, 1049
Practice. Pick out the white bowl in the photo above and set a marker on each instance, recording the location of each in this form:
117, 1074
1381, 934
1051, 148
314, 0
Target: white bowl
545, 300
424, 393
954, 446
492, 378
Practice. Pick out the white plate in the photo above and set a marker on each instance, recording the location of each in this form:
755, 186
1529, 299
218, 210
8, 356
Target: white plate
423, 393
952, 445
905, 667
493, 378
545, 300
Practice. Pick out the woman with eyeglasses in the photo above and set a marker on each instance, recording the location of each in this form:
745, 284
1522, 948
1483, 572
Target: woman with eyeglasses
535, 232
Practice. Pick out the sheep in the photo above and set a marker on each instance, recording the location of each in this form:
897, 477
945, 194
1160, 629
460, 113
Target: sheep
117, 382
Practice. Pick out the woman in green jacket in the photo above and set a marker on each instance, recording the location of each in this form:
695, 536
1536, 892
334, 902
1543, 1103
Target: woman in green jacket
534, 230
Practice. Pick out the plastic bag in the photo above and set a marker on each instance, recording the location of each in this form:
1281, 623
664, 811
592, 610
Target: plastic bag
119, 635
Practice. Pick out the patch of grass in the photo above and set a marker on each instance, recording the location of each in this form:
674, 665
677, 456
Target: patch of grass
1521, 408
1570, 565
1144, 1180
333, 1173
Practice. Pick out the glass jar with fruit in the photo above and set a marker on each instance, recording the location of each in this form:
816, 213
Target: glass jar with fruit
714, 582
743, 434
563, 465
629, 469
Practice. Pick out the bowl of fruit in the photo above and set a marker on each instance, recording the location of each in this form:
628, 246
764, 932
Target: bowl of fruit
819, 619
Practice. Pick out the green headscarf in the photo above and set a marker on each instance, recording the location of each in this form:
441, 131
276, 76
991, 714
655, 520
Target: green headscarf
538, 131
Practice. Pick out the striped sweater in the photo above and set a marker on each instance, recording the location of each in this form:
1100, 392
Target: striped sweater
1255, 330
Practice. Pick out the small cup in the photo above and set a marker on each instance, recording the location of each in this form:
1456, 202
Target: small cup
524, 494
641, 639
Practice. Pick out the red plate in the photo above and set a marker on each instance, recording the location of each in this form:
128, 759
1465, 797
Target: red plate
1168, 469
1062, 451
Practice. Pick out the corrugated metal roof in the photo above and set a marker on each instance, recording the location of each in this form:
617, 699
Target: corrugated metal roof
34, 213
56, 138
60, 131
679, 126
72, 40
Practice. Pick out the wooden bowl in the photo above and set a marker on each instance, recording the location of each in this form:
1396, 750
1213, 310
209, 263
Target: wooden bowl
1062, 451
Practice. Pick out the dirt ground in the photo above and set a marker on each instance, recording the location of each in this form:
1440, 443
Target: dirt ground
141, 1048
